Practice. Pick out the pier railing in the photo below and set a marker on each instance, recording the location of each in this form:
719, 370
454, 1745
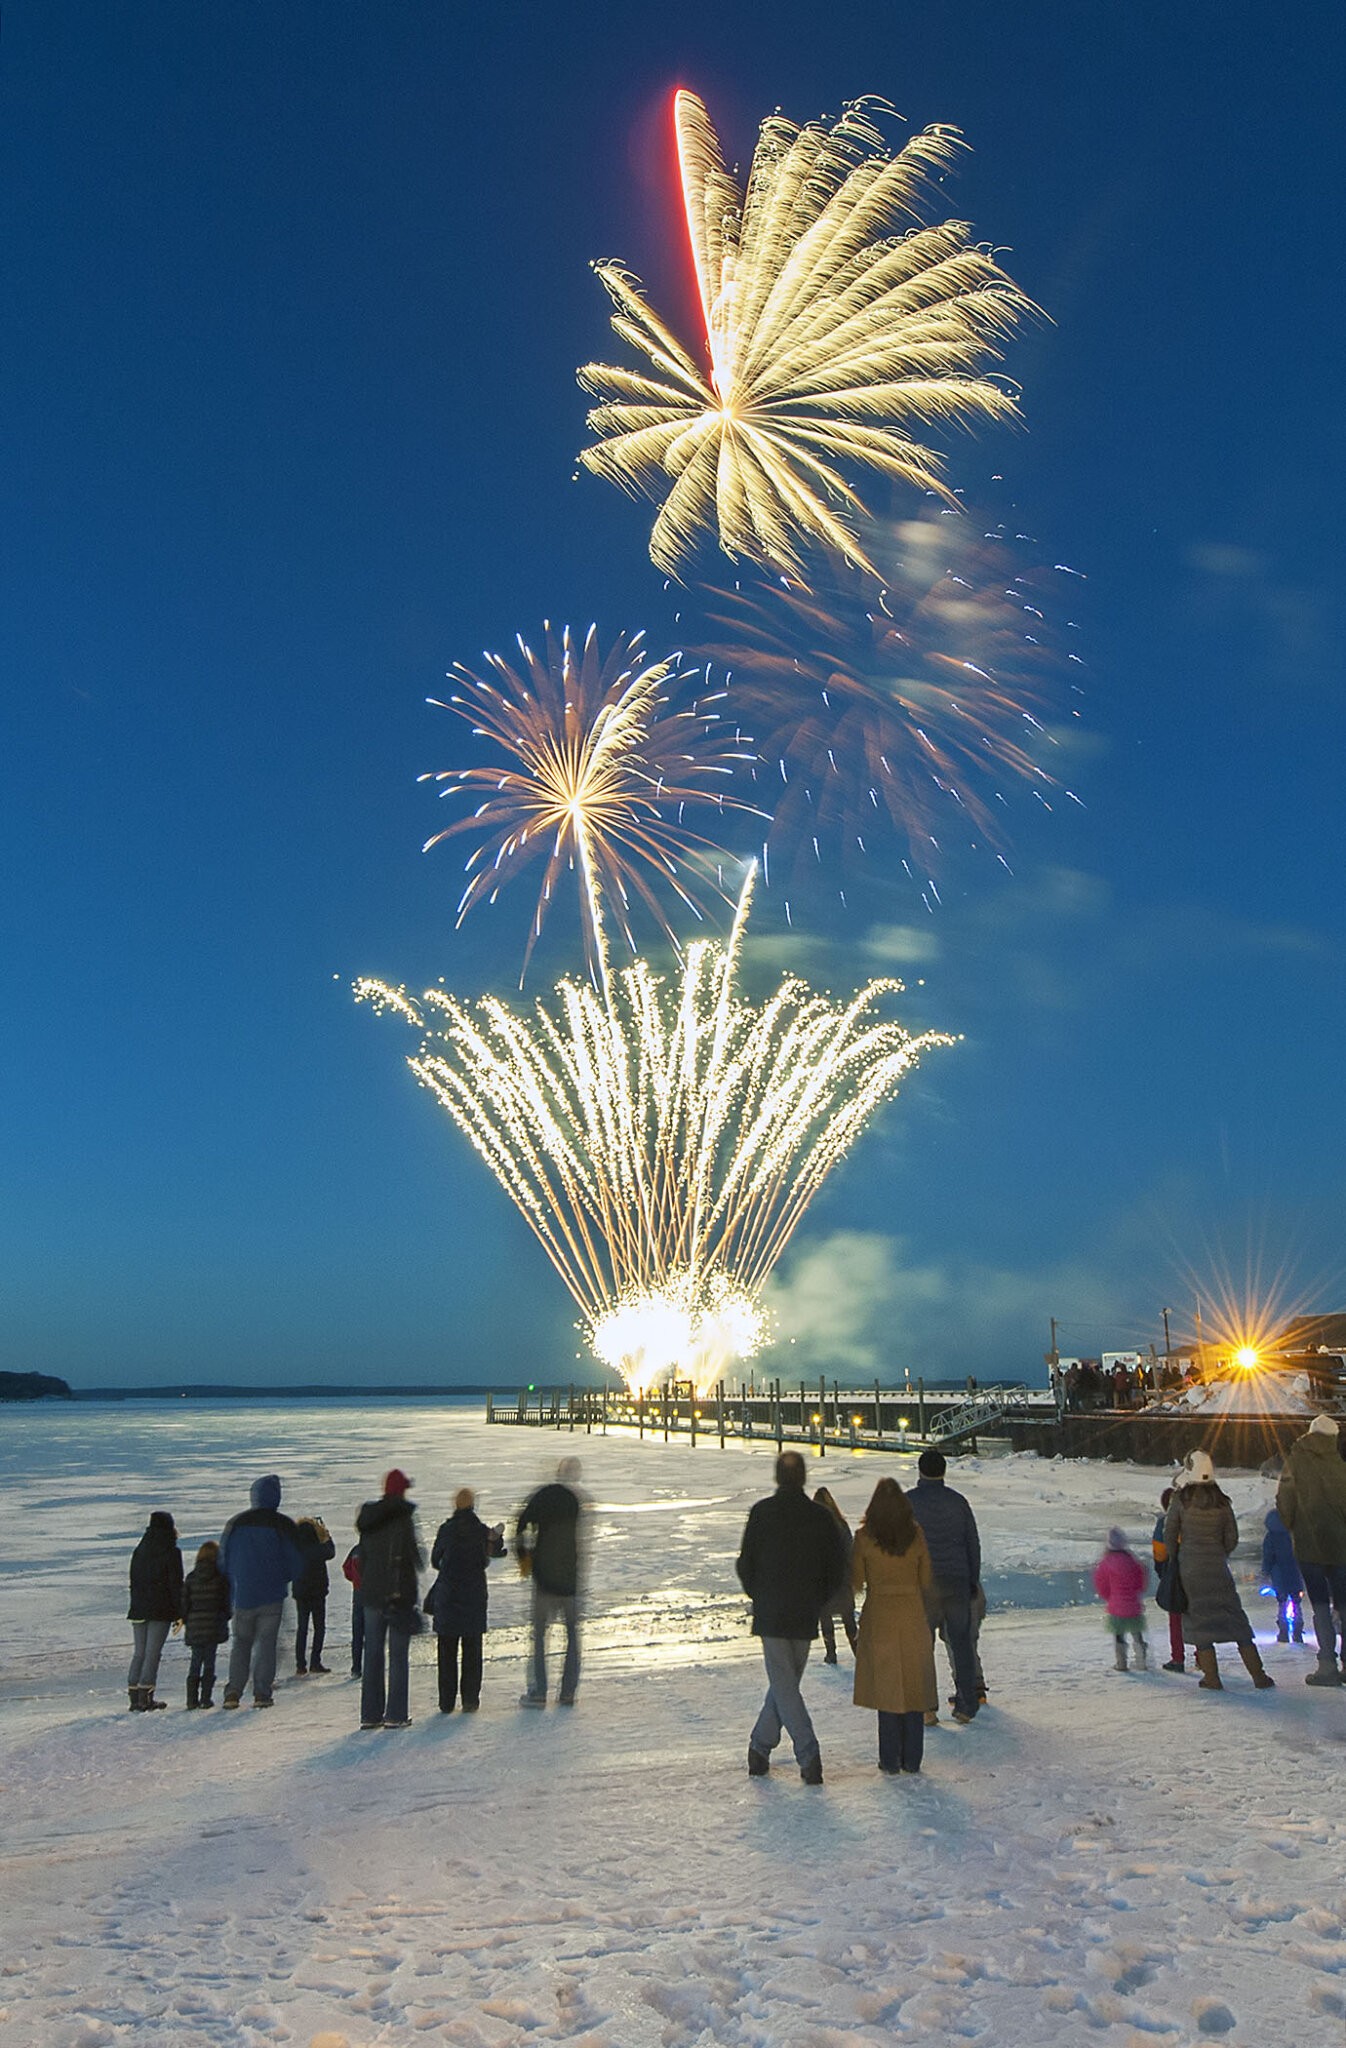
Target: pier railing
825, 1416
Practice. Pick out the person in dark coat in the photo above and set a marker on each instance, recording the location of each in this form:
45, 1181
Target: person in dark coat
950, 1530
391, 1560
309, 1587
842, 1607
790, 1564
259, 1555
1163, 1574
550, 1549
1312, 1501
456, 1602
156, 1607
205, 1622
1201, 1529
1283, 1575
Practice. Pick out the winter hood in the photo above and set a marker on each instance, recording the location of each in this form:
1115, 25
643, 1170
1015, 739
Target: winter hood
266, 1492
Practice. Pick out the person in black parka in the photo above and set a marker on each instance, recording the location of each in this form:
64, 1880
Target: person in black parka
390, 1561
205, 1622
156, 1606
790, 1565
456, 1602
309, 1586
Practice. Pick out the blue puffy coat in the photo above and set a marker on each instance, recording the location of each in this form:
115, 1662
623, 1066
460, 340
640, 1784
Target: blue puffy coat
259, 1550
950, 1530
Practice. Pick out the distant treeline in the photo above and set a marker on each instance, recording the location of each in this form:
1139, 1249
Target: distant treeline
33, 1386
272, 1393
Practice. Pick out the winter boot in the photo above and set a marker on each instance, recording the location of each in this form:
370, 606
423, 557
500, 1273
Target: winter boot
1297, 1635
208, 1693
1282, 1634
1142, 1654
148, 1703
1252, 1658
1210, 1671
133, 1694
1327, 1672
1119, 1652
193, 1692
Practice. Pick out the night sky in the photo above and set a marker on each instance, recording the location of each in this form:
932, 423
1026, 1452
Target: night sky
293, 298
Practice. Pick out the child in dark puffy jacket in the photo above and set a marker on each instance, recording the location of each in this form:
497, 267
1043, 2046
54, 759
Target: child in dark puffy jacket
205, 1622
1119, 1581
1283, 1575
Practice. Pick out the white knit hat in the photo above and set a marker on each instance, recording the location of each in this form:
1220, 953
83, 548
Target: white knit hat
1198, 1471
1323, 1425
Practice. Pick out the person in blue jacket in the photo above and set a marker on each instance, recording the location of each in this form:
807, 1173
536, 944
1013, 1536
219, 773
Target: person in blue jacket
259, 1555
950, 1530
1283, 1575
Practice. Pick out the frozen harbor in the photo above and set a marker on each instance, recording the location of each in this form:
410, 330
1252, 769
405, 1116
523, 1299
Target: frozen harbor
1096, 1857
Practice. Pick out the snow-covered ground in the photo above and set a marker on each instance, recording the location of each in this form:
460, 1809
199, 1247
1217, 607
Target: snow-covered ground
1095, 1858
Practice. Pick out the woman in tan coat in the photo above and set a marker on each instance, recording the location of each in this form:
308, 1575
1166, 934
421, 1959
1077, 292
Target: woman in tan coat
895, 1658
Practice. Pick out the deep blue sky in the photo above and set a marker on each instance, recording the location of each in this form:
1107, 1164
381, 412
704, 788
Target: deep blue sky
293, 295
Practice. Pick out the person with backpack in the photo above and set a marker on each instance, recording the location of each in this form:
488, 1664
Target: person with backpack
391, 1560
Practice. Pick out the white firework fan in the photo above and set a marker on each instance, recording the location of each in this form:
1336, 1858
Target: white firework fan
663, 1139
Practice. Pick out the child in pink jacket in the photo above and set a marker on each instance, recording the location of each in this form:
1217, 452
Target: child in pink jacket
1119, 1581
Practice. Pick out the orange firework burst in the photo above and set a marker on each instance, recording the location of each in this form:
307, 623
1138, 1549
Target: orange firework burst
597, 762
913, 702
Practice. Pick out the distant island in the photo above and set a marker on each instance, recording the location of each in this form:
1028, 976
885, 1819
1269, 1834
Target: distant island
33, 1386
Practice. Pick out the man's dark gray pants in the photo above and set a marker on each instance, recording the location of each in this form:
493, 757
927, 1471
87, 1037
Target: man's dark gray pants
785, 1658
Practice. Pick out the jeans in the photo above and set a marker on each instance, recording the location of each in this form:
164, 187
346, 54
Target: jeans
785, 1658
901, 1741
253, 1646
1325, 1585
950, 1610
316, 1612
201, 1674
547, 1608
386, 1684
148, 1639
357, 1635
446, 1651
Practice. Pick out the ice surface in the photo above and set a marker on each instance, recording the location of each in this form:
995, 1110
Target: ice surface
1096, 1857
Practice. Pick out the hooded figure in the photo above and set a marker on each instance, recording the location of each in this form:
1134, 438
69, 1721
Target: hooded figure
259, 1555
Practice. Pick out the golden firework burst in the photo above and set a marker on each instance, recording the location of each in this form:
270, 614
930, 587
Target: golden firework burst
838, 328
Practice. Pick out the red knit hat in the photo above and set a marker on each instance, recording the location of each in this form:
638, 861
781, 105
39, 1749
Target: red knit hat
397, 1482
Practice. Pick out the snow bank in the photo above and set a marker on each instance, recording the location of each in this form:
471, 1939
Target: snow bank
1095, 1858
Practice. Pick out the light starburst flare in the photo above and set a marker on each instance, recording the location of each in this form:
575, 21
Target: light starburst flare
664, 1137
838, 327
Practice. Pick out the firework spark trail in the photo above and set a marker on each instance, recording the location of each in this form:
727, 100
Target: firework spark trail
663, 1140
830, 342
595, 748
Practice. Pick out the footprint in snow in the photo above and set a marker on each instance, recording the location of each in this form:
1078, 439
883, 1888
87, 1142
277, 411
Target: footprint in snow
1212, 2016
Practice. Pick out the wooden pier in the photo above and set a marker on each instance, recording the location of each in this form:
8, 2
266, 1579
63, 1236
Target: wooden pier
822, 1416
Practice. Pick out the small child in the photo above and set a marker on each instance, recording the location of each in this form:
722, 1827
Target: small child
1119, 1581
1159, 1550
205, 1622
1282, 1572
